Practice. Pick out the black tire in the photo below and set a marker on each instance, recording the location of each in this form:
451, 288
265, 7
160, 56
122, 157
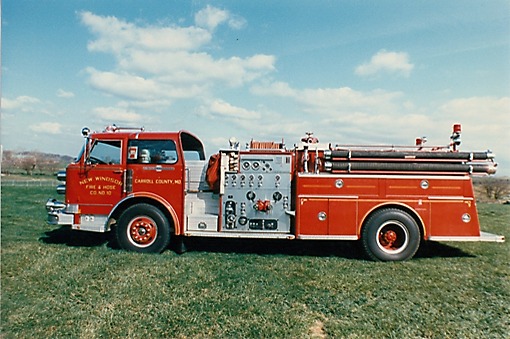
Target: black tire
390, 235
143, 228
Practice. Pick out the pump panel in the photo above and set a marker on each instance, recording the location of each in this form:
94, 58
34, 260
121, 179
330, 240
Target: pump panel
257, 195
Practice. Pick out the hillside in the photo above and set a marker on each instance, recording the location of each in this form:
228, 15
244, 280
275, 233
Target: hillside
33, 163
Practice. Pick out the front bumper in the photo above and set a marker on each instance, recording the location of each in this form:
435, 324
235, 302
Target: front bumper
57, 213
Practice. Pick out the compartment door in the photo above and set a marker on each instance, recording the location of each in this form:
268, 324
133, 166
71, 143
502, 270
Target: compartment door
312, 216
343, 216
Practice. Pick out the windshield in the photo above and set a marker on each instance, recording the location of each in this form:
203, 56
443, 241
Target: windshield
105, 152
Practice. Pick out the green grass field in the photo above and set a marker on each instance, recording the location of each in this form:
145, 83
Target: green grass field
58, 283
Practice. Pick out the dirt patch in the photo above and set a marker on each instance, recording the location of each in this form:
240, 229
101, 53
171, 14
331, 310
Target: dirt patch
317, 330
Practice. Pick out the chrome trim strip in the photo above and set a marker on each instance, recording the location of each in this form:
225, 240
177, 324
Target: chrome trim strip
484, 237
449, 198
247, 235
325, 196
328, 237
384, 176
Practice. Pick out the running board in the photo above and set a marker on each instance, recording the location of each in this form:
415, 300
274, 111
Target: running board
246, 235
328, 237
484, 237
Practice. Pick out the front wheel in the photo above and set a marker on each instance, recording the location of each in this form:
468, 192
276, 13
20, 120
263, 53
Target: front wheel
143, 228
390, 235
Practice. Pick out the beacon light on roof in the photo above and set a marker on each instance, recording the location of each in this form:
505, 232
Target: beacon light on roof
85, 131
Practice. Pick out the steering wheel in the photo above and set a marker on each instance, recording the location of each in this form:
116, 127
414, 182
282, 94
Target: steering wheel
94, 160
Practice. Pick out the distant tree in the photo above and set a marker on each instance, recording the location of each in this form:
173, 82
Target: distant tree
31, 161
28, 164
496, 188
8, 162
502, 189
47, 164
7, 155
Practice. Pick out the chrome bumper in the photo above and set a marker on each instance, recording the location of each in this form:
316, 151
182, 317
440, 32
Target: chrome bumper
57, 214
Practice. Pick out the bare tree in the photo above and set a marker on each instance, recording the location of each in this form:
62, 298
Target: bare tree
496, 188
47, 164
8, 161
28, 164
31, 161
502, 189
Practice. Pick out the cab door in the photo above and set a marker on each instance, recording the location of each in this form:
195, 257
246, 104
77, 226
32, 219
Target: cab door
100, 179
155, 170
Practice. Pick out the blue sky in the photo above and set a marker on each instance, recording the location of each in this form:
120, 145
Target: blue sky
381, 72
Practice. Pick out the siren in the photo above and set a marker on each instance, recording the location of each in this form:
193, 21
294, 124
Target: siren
455, 137
420, 142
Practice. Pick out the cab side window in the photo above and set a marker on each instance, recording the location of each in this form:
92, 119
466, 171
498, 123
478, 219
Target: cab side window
105, 152
151, 152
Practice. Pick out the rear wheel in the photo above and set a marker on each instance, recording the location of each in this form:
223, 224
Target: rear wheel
390, 235
143, 228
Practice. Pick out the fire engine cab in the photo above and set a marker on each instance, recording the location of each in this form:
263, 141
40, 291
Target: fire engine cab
150, 186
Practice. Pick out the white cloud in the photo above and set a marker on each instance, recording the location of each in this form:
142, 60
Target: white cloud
277, 88
23, 103
210, 17
165, 62
46, 128
332, 101
345, 115
183, 68
385, 61
146, 104
137, 88
64, 94
124, 85
486, 119
236, 22
219, 142
118, 36
224, 109
27, 107
117, 115
476, 107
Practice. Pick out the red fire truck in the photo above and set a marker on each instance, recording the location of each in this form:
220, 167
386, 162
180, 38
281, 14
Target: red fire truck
150, 186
